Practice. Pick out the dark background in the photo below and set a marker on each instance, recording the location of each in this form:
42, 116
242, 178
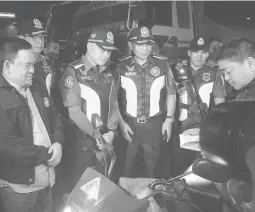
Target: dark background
229, 13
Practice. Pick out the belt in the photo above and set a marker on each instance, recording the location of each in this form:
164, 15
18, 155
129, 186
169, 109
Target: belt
142, 120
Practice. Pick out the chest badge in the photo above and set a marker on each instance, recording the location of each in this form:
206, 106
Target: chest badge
68, 81
46, 102
206, 77
155, 71
130, 69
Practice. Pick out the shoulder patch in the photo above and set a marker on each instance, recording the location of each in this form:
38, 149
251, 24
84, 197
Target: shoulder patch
159, 56
68, 81
125, 58
76, 64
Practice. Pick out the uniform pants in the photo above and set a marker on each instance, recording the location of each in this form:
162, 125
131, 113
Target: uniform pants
38, 201
148, 137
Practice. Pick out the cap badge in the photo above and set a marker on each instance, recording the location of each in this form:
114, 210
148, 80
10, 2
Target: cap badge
93, 35
145, 32
37, 24
110, 38
155, 71
200, 42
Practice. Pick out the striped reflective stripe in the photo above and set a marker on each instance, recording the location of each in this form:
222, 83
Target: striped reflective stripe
183, 99
155, 90
205, 91
131, 95
92, 99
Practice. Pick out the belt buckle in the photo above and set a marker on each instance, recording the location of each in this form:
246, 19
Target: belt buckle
142, 120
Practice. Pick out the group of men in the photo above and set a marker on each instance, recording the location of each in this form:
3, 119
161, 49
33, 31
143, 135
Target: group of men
143, 96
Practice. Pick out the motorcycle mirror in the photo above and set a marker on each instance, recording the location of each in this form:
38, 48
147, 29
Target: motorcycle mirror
96, 121
215, 172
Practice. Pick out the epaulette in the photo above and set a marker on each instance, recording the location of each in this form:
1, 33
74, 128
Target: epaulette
159, 56
210, 66
44, 57
76, 64
125, 58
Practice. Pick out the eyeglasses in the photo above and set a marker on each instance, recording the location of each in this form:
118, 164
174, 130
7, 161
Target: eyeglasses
37, 38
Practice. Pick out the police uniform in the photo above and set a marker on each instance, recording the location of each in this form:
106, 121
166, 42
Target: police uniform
43, 67
142, 91
93, 89
43, 72
206, 80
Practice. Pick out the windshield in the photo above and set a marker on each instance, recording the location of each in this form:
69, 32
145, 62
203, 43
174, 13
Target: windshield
159, 13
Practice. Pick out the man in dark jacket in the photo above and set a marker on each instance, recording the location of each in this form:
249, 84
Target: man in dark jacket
31, 133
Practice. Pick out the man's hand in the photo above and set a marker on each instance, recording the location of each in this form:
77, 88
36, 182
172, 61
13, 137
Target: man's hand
167, 127
143, 193
126, 131
192, 132
108, 137
56, 149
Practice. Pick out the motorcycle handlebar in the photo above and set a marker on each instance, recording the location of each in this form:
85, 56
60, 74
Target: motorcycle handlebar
203, 192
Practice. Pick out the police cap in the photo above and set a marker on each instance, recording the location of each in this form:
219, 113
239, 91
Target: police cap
199, 44
103, 38
141, 35
31, 27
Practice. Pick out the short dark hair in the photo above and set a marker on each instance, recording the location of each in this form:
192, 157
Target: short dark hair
237, 49
9, 48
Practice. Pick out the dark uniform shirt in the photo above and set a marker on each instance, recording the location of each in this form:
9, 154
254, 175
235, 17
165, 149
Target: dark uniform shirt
43, 72
207, 80
143, 88
93, 90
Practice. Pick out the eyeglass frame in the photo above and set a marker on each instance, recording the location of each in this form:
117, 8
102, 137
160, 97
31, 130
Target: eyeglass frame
37, 38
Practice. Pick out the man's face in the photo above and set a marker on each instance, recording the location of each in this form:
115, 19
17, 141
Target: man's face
214, 45
141, 51
198, 58
98, 55
237, 74
52, 51
21, 69
37, 42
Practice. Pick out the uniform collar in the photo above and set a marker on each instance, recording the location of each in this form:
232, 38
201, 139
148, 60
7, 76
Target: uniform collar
149, 60
87, 65
194, 73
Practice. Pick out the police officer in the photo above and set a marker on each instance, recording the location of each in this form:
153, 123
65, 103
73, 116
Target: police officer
196, 81
87, 86
146, 93
33, 31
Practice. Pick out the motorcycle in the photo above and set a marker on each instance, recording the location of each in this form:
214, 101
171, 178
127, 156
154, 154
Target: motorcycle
94, 192
106, 156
